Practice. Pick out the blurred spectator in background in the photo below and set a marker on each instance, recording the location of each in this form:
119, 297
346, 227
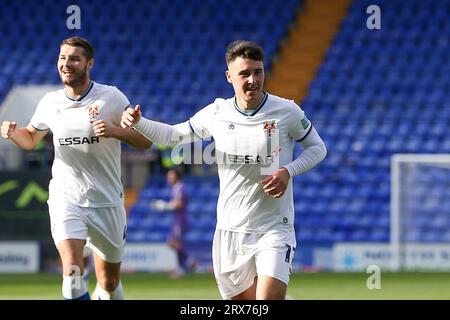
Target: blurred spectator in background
178, 205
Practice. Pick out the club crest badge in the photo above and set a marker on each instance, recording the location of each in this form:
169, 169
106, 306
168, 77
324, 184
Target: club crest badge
269, 127
94, 111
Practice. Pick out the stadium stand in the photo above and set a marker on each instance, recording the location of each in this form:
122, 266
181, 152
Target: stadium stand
376, 93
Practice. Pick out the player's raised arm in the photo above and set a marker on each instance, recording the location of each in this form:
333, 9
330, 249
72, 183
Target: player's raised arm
26, 138
131, 117
158, 132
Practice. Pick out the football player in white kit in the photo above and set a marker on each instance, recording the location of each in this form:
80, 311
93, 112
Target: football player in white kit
86, 200
254, 134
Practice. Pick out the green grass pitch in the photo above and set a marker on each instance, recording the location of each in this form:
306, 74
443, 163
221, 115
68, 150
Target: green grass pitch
303, 286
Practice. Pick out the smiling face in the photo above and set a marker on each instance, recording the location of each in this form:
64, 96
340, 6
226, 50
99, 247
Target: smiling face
247, 78
73, 67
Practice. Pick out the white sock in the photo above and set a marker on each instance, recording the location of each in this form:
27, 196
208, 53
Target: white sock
102, 294
73, 287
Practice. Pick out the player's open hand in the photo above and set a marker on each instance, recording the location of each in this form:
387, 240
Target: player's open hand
8, 128
103, 129
276, 184
131, 117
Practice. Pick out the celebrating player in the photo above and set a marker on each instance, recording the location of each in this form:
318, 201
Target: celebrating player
85, 192
254, 133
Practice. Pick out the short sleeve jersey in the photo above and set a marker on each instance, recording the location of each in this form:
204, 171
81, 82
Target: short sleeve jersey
86, 169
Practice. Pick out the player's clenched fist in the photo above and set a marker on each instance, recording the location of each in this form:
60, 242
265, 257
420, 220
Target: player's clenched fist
102, 129
131, 117
8, 129
276, 184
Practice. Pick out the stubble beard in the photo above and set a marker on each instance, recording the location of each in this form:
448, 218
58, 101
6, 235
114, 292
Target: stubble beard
77, 80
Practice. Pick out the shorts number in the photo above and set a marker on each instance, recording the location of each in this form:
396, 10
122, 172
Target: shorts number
288, 253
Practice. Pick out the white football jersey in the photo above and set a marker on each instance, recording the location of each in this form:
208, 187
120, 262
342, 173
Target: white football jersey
86, 169
249, 148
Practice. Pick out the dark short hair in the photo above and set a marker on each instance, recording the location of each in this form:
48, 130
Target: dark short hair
245, 49
88, 49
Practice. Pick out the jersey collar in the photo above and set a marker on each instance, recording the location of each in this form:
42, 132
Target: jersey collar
253, 112
91, 84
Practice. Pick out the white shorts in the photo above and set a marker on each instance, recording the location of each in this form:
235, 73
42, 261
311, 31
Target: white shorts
239, 257
103, 228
